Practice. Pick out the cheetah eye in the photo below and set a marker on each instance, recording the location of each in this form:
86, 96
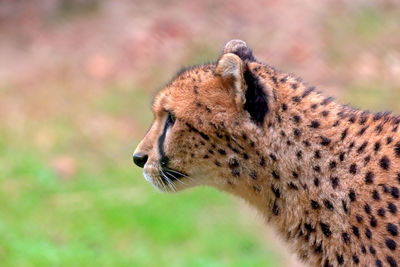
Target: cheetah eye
171, 118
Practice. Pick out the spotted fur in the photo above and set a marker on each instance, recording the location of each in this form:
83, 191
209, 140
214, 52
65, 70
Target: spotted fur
326, 176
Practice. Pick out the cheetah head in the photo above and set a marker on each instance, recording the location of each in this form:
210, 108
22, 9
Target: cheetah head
197, 137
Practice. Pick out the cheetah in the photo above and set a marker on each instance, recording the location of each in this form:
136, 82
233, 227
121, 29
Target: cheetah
324, 175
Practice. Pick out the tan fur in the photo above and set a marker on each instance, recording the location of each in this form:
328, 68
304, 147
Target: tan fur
215, 142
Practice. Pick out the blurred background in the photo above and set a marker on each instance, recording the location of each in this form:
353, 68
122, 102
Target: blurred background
76, 81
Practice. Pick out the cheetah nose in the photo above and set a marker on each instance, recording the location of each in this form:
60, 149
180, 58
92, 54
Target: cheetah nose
140, 159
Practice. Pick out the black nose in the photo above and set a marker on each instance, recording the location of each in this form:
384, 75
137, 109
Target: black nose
140, 159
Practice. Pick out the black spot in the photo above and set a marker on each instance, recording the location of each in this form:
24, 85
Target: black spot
299, 154
377, 146
375, 195
336, 123
276, 191
217, 163
256, 98
314, 106
294, 86
369, 177
325, 229
327, 264
339, 258
326, 101
275, 209
308, 91
284, 107
325, 141
367, 208
296, 99
379, 128
389, 139
356, 232
346, 237
317, 168
275, 175
344, 205
296, 118
381, 212
398, 177
352, 119
292, 186
332, 164
256, 189
318, 249
362, 147
384, 162
397, 149
367, 160
392, 229
306, 143
328, 205
362, 131
391, 261
394, 192
359, 218
373, 222
352, 195
341, 156
334, 182
262, 162
317, 154
295, 175
372, 250
390, 244
392, 208
356, 260
221, 151
363, 250
253, 175
368, 233
316, 182
325, 113
353, 168
344, 134
314, 204
378, 263
309, 227
245, 156
235, 172
314, 124
296, 132
351, 145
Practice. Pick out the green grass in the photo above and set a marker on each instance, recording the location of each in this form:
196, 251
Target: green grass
106, 214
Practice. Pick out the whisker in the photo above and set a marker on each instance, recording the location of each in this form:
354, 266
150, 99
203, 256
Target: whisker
174, 177
174, 171
170, 184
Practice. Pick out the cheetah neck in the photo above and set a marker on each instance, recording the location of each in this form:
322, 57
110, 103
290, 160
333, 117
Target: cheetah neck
314, 157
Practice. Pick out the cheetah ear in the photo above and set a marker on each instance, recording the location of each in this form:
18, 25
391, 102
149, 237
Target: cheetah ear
231, 68
239, 48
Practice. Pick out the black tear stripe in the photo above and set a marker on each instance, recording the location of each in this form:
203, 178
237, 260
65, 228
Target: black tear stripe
163, 158
256, 98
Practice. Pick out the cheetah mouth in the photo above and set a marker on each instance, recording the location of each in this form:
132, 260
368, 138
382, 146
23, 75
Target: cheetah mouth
169, 175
